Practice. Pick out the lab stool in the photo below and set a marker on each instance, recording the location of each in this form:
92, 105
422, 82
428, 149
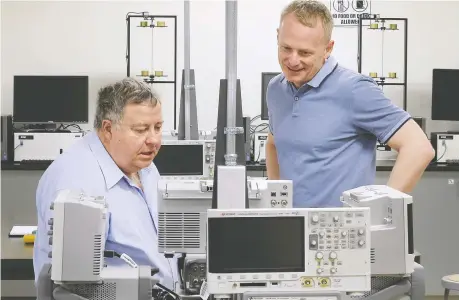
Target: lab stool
450, 282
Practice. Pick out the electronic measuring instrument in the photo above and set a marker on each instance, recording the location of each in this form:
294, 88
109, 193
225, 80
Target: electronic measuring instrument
182, 210
392, 249
183, 205
183, 225
446, 147
186, 159
293, 249
42, 146
78, 268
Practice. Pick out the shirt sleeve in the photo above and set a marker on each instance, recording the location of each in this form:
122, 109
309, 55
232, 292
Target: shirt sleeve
375, 113
270, 110
270, 123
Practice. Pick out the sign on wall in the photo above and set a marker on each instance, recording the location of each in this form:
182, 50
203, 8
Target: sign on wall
348, 12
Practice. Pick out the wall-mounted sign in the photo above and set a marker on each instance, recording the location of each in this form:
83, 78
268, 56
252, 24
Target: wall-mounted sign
348, 12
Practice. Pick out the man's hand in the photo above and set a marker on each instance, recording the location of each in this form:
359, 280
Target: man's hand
415, 152
272, 164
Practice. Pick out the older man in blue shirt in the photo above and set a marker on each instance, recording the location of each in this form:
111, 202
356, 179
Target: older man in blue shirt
325, 119
114, 161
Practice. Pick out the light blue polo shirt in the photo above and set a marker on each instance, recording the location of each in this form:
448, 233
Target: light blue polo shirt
326, 132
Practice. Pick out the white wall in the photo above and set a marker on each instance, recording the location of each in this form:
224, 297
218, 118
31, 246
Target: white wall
89, 38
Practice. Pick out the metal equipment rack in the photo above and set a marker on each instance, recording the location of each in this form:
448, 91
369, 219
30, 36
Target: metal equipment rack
369, 23
150, 78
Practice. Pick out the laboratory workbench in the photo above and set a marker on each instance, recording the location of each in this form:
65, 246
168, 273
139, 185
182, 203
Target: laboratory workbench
436, 203
15, 256
17, 273
381, 165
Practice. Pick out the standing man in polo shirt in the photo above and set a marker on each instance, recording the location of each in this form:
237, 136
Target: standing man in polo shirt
325, 119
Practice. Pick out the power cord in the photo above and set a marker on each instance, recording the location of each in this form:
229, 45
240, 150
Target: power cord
174, 283
181, 264
21, 143
161, 292
64, 127
124, 256
445, 148
255, 129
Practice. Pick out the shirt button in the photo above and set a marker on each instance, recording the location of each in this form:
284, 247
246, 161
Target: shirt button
296, 98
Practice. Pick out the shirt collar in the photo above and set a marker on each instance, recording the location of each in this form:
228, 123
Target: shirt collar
111, 172
327, 69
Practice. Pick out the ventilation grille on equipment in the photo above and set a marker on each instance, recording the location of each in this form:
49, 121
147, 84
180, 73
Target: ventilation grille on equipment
373, 255
97, 254
106, 291
179, 230
378, 284
150, 293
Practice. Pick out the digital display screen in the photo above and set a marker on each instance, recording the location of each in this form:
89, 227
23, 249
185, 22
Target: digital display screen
256, 244
175, 160
445, 95
265, 79
43, 99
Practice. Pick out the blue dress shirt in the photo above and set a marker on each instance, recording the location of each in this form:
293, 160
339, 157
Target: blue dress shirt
133, 219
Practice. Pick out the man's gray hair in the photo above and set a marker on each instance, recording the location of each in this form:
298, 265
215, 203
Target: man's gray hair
113, 98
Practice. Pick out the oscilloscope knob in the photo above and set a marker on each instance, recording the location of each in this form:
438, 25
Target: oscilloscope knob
315, 219
319, 255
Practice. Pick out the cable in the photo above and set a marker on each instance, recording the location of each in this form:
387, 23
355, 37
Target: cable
254, 118
163, 293
259, 152
181, 267
144, 14
174, 283
254, 129
443, 154
124, 256
71, 125
128, 260
21, 143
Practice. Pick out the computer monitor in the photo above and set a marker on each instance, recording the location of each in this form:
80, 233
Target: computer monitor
265, 78
50, 99
445, 94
